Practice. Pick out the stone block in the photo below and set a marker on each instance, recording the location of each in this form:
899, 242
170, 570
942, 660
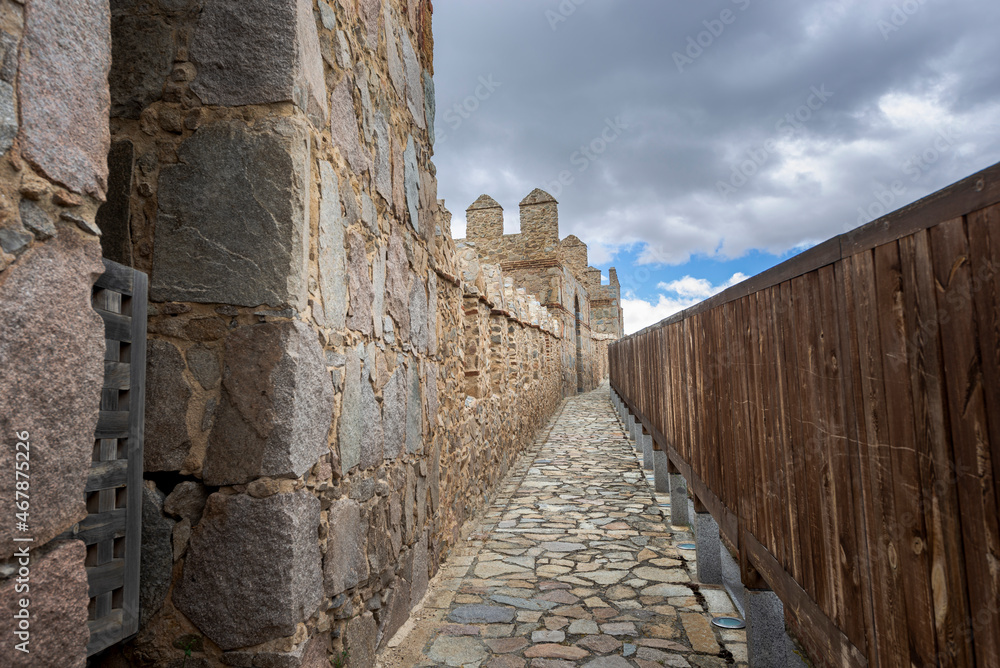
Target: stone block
259, 53
414, 410
432, 314
36, 219
52, 347
767, 641
168, 394
421, 565
378, 285
414, 85
360, 639
253, 568
411, 183
233, 222
344, 127
332, 254
430, 105
157, 561
276, 406
398, 611
8, 103
346, 563
63, 89
204, 365
58, 606
647, 451
394, 413
142, 57
732, 580
396, 75
397, 285
186, 501
708, 545
359, 437
360, 283
661, 476
418, 315
679, 515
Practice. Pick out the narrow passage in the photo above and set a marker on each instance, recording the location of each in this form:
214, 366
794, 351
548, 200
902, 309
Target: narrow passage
574, 565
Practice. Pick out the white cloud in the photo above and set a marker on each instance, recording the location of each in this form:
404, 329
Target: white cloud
687, 292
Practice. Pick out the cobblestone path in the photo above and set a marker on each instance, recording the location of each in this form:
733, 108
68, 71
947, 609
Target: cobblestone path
575, 564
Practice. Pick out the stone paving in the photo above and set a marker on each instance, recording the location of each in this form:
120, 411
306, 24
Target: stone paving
574, 564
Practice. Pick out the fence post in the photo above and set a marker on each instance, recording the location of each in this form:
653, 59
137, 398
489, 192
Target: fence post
708, 545
661, 479
679, 515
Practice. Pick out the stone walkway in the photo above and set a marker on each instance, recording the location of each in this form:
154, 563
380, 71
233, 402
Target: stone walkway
575, 564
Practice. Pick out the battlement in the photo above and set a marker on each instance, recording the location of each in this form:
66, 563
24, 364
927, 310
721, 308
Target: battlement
484, 219
540, 222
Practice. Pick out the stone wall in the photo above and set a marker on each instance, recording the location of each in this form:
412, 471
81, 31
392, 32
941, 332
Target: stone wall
558, 273
53, 176
332, 390
334, 386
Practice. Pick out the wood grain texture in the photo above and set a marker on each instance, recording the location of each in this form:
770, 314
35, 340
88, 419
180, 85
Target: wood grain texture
839, 416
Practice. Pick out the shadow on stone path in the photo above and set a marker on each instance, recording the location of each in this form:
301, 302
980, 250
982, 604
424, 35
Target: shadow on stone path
573, 565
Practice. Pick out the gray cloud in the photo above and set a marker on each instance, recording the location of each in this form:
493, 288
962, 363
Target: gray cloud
900, 74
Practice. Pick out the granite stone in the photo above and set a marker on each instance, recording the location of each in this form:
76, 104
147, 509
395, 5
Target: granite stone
157, 560
50, 332
253, 568
345, 564
332, 254
258, 53
360, 284
233, 222
142, 57
274, 413
63, 89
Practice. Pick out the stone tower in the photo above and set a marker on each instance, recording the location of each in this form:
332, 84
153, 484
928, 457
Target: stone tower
540, 222
484, 218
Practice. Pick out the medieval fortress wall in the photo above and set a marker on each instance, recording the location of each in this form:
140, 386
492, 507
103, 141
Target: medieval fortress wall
334, 386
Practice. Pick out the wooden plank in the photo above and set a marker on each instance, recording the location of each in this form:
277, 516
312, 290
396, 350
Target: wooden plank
842, 495
984, 256
112, 424
796, 455
107, 475
117, 327
970, 434
116, 375
910, 533
106, 578
105, 632
116, 277
875, 455
98, 527
820, 634
943, 534
847, 364
136, 438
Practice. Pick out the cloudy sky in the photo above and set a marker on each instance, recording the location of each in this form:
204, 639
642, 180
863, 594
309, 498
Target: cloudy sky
693, 143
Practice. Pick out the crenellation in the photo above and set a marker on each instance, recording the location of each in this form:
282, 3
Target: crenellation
554, 275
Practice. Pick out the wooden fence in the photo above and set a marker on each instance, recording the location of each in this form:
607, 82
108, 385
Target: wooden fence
839, 416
